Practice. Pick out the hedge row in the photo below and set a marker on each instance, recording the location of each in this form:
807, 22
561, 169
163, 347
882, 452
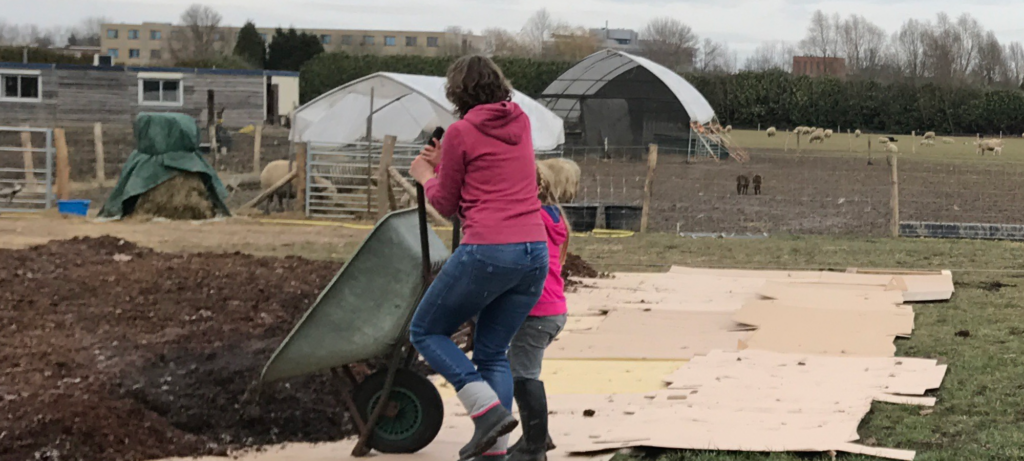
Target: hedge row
40, 56
783, 100
330, 70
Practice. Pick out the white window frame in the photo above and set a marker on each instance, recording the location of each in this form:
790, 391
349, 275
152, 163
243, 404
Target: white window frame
162, 77
22, 73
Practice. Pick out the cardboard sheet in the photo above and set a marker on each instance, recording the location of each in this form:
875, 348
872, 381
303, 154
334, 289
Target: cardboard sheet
650, 335
765, 401
834, 331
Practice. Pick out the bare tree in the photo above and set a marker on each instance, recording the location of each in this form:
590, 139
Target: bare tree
198, 40
862, 44
990, 65
822, 37
571, 43
537, 30
970, 38
771, 55
1015, 63
908, 49
941, 50
89, 30
670, 43
457, 41
500, 42
714, 57
5, 31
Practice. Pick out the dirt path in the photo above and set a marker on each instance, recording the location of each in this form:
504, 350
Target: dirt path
246, 235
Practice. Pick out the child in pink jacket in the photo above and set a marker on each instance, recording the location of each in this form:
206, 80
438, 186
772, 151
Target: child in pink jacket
546, 321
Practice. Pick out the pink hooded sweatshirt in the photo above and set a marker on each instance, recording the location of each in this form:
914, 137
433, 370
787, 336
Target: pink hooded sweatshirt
552, 299
488, 176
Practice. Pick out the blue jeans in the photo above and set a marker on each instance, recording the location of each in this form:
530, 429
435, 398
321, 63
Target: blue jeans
498, 284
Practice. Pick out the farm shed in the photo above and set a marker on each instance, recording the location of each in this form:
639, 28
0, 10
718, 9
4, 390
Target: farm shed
61, 94
626, 100
408, 107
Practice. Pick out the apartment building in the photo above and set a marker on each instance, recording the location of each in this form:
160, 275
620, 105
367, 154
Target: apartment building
148, 44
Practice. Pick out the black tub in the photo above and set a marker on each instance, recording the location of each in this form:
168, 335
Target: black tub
623, 217
582, 218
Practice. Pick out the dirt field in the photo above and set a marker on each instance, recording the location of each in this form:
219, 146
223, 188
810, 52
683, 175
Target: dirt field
808, 194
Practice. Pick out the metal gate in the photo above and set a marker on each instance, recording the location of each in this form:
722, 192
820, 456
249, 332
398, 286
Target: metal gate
26, 169
341, 179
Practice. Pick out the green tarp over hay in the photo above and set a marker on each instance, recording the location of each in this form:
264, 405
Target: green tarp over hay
166, 145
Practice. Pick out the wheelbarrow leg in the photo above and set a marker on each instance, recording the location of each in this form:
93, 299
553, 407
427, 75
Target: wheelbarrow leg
362, 447
346, 398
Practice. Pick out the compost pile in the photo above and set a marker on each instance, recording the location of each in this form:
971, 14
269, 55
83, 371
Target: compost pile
111, 351
575, 266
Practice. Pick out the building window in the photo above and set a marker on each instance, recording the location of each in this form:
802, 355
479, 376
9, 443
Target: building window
160, 92
389, 41
111, 33
112, 52
411, 41
432, 42
134, 53
264, 37
217, 36
155, 35
347, 40
133, 34
325, 39
369, 40
21, 87
155, 55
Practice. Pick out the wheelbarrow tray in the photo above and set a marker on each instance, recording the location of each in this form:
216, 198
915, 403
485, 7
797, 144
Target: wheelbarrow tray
365, 311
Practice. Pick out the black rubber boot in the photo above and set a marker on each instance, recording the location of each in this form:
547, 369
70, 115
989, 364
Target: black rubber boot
533, 410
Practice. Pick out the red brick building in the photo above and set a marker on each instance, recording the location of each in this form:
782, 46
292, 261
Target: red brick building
815, 66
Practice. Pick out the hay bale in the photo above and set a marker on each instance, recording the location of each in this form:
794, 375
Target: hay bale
183, 197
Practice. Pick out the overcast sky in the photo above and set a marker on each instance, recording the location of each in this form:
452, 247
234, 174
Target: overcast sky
741, 23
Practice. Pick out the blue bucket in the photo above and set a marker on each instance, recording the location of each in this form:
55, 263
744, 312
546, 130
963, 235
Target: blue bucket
73, 207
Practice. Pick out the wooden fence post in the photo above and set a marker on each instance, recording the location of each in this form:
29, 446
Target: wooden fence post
850, 136
214, 151
257, 147
101, 171
894, 201
913, 142
63, 166
385, 196
652, 163
30, 167
798, 149
300, 179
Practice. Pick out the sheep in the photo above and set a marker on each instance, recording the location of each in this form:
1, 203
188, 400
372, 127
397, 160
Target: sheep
742, 185
771, 132
947, 141
989, 145
728, 128
892, 149
276, 171
803, 130
929, 135
565, 178
828, 134
818, 136
857, 134
757, 184
997, 151
883, 140
928, 142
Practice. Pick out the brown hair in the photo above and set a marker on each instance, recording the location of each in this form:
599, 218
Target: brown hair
547, 197
476, 80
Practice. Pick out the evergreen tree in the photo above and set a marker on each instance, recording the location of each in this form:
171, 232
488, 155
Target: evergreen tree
290, 50
250, 46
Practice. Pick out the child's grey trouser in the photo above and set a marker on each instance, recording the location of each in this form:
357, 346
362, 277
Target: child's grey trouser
527, 350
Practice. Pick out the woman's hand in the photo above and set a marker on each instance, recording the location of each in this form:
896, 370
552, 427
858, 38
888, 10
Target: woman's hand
431, 153
421, 169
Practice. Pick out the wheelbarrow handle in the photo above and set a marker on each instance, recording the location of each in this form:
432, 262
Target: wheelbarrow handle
421, 204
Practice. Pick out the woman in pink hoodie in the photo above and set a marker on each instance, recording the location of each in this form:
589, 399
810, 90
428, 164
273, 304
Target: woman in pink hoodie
488, 176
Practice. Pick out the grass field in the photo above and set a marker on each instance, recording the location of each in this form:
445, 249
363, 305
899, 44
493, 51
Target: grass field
981, 403
962, 148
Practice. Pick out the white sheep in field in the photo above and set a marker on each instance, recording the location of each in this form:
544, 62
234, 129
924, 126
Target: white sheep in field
947, 141
276, 171
728, 128
927, 142
997, 151
989, 145
883, 140
856, 134
771, 132
892, 149
828, 134
564, 177
818, 136
929, 135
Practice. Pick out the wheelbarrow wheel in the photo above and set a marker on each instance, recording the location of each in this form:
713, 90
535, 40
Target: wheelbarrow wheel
413, 416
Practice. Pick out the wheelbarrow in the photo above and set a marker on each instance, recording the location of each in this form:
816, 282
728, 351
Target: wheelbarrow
364, 314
